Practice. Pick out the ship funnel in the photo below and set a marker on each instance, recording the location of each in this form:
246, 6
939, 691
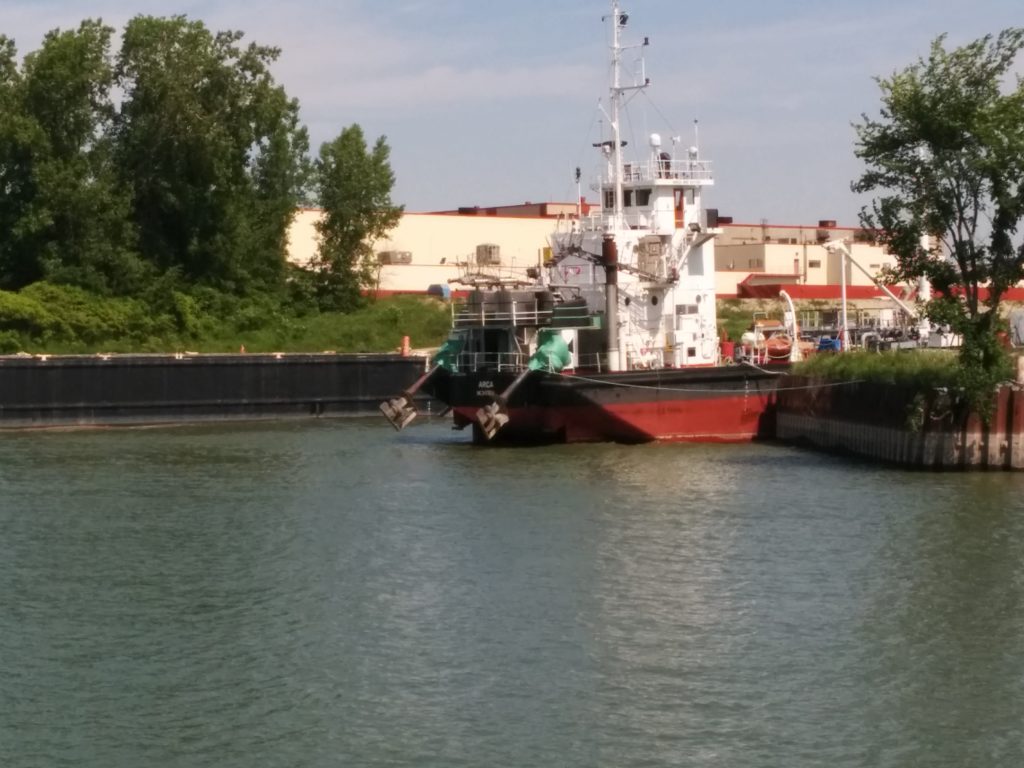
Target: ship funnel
610, 261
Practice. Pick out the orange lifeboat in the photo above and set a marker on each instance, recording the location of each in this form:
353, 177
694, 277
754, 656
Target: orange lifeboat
778, 346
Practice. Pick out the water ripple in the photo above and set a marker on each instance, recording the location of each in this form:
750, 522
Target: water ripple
336, 594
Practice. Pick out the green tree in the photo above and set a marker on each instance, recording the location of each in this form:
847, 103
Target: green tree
354, 187
946, 157
19, 138
213, 151
83, 234
63, 217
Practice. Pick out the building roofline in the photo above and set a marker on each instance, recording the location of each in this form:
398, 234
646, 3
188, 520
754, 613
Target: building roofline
769, 225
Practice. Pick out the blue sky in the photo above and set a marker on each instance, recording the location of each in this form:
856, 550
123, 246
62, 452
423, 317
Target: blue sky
496, 103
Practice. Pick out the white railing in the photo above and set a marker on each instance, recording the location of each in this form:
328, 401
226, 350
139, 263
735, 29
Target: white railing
514, 362
491, 361
678, 170
645, 357
499, 315
593, 222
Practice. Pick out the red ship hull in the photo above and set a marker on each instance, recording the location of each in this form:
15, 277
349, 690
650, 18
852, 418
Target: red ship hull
725, 404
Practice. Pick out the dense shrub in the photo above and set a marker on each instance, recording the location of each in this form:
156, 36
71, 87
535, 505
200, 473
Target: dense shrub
921, 367
64, 319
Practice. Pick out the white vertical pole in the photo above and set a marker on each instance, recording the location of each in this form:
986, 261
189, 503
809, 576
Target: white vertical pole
924, 294
842, 276
924, 287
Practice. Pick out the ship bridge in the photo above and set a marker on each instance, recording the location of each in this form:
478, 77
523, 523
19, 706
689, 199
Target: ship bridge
665, 172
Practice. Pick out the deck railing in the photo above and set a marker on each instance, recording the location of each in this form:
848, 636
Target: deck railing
500, 314
491, 361
514, 362
698, 171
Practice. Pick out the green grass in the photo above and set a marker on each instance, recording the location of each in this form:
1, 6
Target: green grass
51, 319
378, 327
923, 368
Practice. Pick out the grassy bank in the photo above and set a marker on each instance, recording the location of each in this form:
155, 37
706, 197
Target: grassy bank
923, 368
52, 319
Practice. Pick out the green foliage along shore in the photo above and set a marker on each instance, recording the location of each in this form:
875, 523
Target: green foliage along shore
146, 194
925, 368
54, 319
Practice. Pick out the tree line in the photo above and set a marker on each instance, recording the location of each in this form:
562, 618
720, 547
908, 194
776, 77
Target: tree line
173, 162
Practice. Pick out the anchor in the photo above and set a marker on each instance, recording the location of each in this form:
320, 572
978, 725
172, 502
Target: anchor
552, 355
400, 410
491, 418
494, 415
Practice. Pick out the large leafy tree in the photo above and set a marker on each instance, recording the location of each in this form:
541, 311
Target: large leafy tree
19, 136
76, 229
946, 159
354, 186
213, 151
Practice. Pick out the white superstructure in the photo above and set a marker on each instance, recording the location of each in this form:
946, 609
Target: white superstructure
660, 277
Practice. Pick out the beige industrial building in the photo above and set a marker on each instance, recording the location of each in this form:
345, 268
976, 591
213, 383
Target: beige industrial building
434, 249
754, 260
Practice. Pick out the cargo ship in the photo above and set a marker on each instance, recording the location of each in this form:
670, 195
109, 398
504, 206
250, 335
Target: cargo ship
613, 335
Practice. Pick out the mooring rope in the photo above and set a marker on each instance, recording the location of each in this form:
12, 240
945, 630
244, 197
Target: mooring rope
627, 385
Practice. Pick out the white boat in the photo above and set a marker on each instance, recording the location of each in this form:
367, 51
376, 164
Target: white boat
615, 336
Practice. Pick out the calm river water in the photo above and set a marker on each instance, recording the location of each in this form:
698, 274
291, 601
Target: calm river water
336, 594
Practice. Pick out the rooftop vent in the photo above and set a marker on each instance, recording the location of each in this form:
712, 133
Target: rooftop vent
395, 257
488, 254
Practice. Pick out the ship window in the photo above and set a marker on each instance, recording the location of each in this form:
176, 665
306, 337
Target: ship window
627, 198
691, 351
689, 196
643, 198
687, 309
654, 301
609, 200
814, 264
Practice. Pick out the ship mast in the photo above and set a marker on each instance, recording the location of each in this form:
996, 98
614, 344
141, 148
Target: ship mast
615, 96
616, 222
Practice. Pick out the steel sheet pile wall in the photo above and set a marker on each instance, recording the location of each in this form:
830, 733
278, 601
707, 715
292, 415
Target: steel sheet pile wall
141, 389
901, 426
